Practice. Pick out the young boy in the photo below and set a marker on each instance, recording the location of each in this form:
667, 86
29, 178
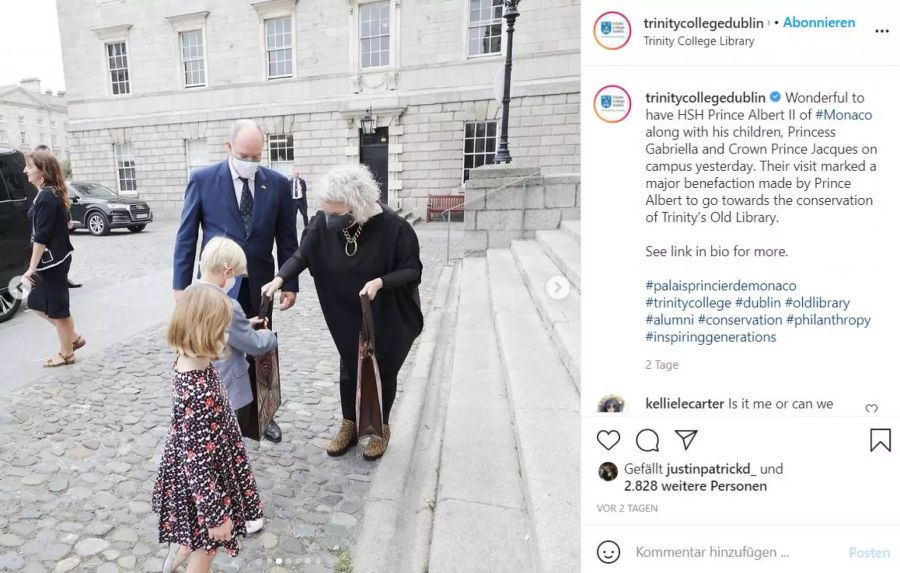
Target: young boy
223, 260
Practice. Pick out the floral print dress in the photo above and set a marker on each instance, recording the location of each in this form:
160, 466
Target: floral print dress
204, 474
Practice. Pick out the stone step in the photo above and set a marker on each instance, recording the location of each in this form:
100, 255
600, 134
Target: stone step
480, 521
562, 317
572, 228
545, 412
565, 252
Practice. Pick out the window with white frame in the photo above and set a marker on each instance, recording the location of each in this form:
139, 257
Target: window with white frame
279, 47
480, 145
21, 120
53, 140
117, 63
485, 27
40, 122
197, 154
52, 125
375, 34
281, 153
3, 137
193, 58
126, 173
23, 138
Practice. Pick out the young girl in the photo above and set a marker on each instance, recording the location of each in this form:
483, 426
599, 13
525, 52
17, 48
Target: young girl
205, 491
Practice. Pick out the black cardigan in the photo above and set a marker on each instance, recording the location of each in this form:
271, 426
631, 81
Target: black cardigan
50, 227
388, 248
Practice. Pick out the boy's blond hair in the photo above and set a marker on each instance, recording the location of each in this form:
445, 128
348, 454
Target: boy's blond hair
199, 324
221, 253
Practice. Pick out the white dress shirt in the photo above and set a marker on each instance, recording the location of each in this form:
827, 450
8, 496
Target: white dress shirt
239, 185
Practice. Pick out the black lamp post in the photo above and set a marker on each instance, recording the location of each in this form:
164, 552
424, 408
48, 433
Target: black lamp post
512, 12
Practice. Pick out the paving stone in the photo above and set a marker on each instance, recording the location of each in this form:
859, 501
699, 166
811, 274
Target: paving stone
11, 561
90, 546
99, 528
67, 565
347, 521
125, 534
23, 528
58, 484
34, 567
107, 417
56, 551
35, 479
11, 540
269, 540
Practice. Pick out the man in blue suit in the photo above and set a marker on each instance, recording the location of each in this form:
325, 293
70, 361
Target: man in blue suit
250, 205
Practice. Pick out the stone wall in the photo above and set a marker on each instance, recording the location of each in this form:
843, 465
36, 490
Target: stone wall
506, 202
426, 141
431, 87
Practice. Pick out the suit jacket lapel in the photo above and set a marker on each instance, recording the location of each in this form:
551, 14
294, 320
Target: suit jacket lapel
227, 186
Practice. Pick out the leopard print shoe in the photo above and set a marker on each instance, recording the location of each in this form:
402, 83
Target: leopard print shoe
345, 439
376, 446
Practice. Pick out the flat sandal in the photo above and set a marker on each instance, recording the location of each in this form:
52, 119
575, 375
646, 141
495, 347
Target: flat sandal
66, 361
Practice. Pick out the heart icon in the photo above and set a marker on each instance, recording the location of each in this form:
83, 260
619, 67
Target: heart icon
871, 408
608, 439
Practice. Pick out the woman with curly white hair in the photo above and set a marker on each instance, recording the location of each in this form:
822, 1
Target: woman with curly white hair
356, 245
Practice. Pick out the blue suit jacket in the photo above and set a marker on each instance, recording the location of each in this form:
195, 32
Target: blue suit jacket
210, 204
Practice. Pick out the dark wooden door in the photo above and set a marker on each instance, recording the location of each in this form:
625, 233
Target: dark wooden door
373, 152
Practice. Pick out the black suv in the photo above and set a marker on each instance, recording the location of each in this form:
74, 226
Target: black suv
98, 209
16, 194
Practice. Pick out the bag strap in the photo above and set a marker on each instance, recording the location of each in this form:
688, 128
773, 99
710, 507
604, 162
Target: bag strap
368, 323
264, 306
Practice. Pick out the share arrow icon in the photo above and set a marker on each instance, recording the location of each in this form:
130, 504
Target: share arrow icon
687, 437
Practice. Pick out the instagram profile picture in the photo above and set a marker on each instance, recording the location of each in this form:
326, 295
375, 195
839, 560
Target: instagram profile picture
612, 30
611, 404
612, 104
608, 471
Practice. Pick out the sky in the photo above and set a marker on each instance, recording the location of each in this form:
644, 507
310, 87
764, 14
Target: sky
29, 43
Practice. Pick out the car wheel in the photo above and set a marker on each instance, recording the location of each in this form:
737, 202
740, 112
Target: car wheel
136, 228
9, 305
98, 224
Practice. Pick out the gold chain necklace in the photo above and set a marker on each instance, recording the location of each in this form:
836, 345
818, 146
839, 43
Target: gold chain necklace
352, 241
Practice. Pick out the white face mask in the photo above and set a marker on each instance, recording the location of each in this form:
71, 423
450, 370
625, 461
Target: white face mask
246, 169
229, 284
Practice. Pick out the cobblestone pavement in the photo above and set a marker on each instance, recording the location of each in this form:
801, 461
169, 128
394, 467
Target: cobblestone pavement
79, 449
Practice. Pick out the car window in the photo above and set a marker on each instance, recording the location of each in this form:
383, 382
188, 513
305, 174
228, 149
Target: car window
95, 190
12, 180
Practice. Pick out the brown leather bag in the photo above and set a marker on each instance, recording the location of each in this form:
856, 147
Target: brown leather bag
265, 381
369, 421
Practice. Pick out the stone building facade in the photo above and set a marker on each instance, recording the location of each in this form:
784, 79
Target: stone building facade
31, 117
154, 86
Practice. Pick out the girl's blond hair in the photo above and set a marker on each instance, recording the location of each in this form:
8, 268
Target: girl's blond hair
221, 253
199, 324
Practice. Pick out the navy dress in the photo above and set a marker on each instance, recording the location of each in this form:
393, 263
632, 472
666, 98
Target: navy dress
204, 474
50, 227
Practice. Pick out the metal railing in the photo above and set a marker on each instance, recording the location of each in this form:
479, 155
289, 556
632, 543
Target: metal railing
446, 212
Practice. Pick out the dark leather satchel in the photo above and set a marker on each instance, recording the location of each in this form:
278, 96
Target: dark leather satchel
265, 381
369, 421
